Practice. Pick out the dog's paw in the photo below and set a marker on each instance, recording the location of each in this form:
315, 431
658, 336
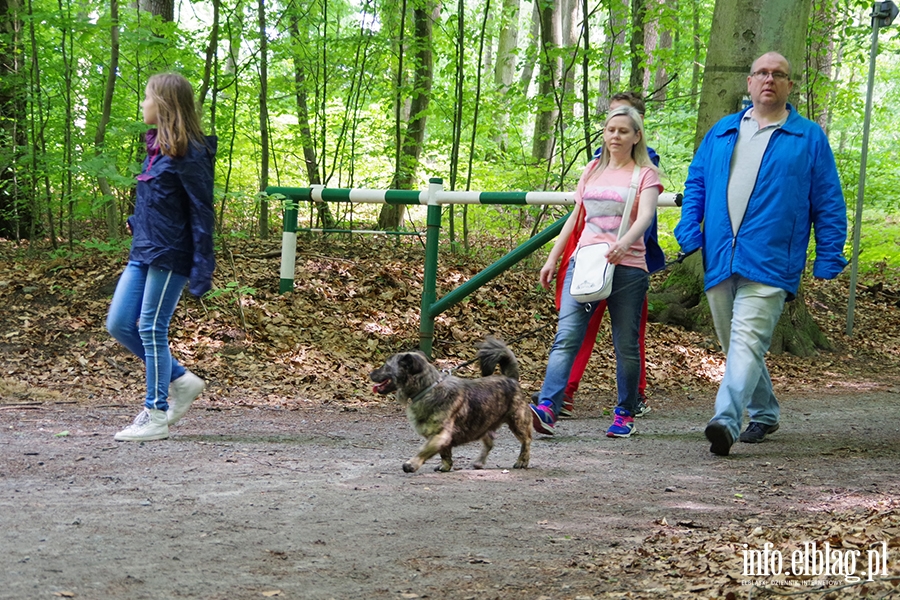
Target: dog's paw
521, 464
478, 466
408, 467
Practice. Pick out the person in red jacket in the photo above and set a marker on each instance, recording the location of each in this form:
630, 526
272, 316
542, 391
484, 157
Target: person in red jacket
656, 261
172, 245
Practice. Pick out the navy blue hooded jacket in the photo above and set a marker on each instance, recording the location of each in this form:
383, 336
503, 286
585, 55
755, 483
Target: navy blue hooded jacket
173, 218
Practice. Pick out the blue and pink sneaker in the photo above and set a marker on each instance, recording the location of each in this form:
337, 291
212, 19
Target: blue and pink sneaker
623, 426
542, 417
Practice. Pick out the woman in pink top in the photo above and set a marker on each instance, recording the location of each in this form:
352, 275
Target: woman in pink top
600, 201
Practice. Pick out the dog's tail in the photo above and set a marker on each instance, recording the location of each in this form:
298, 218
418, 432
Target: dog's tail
493, 352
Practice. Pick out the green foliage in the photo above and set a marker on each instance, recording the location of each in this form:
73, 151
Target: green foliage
879, 247
344, 58
231, 289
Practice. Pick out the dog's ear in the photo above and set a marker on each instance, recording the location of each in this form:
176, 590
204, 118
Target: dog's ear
411, 363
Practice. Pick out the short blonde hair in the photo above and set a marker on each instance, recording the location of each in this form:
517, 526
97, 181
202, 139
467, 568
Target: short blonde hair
177, 121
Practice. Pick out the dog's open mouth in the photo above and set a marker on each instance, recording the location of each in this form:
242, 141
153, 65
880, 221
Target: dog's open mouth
385, 387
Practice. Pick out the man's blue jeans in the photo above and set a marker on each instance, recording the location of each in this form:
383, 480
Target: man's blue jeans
139, 316
624, 306
745, 314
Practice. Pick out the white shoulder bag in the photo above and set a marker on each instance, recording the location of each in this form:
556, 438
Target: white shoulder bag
593, 276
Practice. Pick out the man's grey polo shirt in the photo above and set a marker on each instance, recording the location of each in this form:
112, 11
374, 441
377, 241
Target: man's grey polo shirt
745, 161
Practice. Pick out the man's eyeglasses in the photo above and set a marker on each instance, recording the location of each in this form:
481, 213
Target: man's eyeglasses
776, 75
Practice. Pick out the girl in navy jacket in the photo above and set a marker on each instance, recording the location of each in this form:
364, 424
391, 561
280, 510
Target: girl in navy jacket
172, 245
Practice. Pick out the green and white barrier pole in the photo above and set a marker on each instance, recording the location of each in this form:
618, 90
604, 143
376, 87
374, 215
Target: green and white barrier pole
289, 237
429, 281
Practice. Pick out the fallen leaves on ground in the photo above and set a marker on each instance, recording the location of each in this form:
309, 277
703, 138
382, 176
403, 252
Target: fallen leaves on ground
355, 303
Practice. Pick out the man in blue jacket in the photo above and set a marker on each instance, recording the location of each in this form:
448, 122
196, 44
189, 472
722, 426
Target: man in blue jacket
760, 180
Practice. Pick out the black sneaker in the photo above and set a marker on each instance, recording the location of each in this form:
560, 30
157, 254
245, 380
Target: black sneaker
757, 432
719, 437
642, 408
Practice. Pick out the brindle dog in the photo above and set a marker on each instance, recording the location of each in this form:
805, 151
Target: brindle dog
449, 411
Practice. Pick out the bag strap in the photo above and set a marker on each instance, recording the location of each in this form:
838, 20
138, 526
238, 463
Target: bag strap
629, 203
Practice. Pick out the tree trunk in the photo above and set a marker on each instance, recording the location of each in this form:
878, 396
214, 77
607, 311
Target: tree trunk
695, 71
660, 82
405, 175
548, 111
776, 24
743, 32
611, 75
263, 121
40, 172
164, 9
211, 50
651, 41
475, 112
819, 60
570, 27
535, 44
15, 199
636, 45
307, 141
658, 45
109, 200
66, 51
585, 79
505, 65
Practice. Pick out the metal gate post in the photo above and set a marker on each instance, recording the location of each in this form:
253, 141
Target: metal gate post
288, 246
429, 282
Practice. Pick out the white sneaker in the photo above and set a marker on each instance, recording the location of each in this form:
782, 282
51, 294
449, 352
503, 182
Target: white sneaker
149, 425
182, 393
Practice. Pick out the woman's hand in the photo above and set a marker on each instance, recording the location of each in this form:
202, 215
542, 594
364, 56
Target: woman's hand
548, 274
617, 253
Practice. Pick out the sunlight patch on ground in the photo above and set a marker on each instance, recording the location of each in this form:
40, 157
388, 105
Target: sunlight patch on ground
378, 328
706, 366
855, 385
696, 506
854, 501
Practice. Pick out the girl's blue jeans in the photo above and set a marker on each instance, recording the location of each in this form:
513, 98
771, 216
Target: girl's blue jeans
139, 316
624, 304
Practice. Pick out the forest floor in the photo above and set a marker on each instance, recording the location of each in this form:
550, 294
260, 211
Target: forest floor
284, 479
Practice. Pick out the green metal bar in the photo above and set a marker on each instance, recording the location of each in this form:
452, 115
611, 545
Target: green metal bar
372, 231
296, 194
429, 277
503, 197
401, 197
495, 269
335, 194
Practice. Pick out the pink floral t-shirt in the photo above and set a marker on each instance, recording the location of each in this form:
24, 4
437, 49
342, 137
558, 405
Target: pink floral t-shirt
603, 195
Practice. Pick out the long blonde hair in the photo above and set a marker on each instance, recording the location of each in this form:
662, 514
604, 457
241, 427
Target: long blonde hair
639, 150
178, 123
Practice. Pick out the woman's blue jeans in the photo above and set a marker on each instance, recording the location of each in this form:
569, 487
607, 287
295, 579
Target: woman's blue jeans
624, 305
139, 316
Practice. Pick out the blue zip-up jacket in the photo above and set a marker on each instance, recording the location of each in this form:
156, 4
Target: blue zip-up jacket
173, 220
798, 189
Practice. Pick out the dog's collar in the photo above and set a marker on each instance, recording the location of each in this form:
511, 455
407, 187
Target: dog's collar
425, 391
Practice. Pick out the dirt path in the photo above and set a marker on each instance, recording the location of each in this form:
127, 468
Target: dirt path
250, 503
